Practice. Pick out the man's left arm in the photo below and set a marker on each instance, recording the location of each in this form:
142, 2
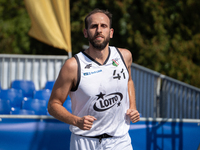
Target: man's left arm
132, 111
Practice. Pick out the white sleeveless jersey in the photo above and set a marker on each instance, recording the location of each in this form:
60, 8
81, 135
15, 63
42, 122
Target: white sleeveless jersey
102, 92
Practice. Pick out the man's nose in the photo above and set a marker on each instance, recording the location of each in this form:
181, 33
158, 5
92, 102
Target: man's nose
99, 29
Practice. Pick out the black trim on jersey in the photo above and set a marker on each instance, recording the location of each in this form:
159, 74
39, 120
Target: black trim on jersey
78, 74
121, 57
97, 61
107, 57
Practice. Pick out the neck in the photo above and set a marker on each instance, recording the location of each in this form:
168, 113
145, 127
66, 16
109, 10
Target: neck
98, 55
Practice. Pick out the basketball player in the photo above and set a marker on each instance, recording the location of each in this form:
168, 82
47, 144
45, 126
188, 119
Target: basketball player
102, 93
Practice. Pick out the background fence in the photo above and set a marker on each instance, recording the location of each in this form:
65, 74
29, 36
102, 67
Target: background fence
179, 100
157, 96
38, 68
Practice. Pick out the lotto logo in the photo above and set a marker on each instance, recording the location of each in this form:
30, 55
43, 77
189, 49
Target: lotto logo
105, 102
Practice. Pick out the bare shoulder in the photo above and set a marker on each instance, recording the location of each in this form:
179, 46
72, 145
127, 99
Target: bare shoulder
69, 68
70, 64
126, 55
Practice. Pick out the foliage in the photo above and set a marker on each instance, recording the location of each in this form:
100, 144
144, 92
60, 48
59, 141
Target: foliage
14, 26
162, 35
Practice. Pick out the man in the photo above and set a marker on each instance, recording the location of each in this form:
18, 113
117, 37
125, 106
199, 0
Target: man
102, 93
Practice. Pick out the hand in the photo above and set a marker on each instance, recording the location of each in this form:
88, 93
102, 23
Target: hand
134, 115
86, 122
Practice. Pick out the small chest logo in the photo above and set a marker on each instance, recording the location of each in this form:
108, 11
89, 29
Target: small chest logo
88, 66
105, 102
92, 72
114, 62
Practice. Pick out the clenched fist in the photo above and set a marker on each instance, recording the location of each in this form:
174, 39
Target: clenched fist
86, 122
133, 114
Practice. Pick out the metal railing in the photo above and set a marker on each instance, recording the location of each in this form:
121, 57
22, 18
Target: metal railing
157, 96
38, 68
179, 100
146, 84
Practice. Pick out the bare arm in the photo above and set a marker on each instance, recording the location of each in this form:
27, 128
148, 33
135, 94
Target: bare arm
66, 80
132, 111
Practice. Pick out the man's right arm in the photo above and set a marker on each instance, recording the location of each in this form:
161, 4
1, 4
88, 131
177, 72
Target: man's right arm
66, 80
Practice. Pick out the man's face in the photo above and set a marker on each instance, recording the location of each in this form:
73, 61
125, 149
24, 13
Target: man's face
98, 32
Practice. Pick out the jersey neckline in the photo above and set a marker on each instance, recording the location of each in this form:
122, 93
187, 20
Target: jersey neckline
97, 61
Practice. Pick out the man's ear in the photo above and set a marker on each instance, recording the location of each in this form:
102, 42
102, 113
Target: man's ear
111, 32
85, 33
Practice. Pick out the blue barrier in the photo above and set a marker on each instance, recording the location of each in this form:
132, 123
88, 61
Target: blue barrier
33, 133
165, 134
45, 132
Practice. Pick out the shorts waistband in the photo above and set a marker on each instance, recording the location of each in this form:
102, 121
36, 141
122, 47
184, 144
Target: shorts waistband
100, 137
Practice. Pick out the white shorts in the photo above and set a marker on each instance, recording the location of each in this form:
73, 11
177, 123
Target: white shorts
113, 143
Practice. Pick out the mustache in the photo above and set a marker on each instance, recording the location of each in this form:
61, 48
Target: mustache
99, 35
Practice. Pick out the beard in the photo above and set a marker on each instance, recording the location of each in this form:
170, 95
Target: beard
96, 44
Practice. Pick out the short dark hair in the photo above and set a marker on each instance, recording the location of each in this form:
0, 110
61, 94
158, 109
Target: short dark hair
106, 12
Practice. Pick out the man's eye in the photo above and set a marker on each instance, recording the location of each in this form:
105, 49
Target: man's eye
93, 26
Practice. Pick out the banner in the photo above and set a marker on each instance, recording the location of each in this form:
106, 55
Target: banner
50, 22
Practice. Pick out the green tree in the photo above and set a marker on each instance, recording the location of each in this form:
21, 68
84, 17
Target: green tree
162, 35
14, 26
